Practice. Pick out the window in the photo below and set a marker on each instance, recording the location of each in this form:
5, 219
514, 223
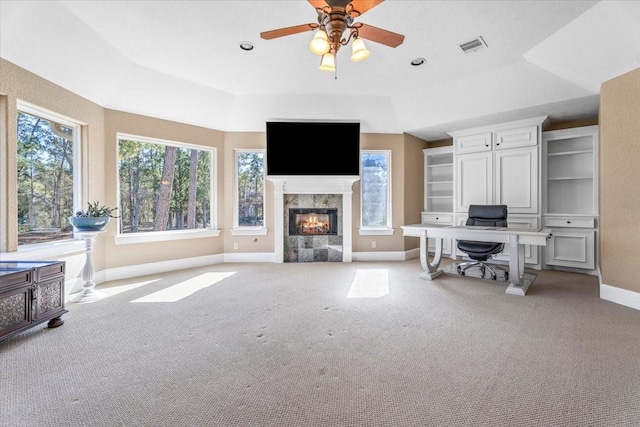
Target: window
48, 168
164, 186
375, 192
249, 212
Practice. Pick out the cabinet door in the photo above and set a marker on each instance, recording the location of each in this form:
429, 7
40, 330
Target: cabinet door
473, 143
15, 310
514, 138
50, 298
516, 174
571, 248
474, 174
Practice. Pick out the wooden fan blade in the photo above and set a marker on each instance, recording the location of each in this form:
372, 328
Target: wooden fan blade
361, 6
318, 4
378, 35
280, 32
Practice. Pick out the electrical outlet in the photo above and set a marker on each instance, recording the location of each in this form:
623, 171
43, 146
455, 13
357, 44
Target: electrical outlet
373, 245
235, 245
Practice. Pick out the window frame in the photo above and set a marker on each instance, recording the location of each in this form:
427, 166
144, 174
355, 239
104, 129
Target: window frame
169, 235
388, 228
236, 229
78, 187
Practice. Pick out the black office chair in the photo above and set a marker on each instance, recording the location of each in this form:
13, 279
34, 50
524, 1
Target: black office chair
487, 216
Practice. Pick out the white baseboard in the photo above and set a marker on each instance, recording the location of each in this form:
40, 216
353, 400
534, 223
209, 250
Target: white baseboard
250, 257
156, 267
385, 256
620, 296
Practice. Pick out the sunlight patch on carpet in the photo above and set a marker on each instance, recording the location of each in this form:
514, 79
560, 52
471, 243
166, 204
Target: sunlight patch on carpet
369, 284
115, 290
185, 288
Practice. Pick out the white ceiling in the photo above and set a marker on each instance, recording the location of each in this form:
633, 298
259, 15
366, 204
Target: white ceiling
180, 60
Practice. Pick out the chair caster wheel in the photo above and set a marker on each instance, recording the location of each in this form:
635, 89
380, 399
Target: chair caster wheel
482, 272
459, 270
494, 277
462, 273
506, 275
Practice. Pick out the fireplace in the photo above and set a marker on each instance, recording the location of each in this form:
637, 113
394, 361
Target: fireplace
313, 192
313, 222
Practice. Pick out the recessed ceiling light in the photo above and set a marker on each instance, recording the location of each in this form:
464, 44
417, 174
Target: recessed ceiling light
246, 46
418, 61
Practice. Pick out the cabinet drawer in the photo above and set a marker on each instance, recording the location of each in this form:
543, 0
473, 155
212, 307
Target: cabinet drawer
512, 138
473, 143
10, 279
569, 222
428, 218
48, 271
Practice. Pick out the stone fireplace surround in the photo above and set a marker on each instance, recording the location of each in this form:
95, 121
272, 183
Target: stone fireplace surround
314, 189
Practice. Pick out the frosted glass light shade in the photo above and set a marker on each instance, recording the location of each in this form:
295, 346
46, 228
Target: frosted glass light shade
328, 62
319, 44
359, 52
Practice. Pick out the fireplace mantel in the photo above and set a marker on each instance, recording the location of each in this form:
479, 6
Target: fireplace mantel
317, 184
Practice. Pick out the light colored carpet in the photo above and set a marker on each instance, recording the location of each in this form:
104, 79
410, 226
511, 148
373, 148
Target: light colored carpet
282, 345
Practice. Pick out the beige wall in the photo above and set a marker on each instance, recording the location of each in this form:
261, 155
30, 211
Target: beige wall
620, 181
141, 253
257, 244
394, 143
413, 185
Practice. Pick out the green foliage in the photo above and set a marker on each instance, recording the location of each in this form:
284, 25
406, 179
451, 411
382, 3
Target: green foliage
140, 167
95, 210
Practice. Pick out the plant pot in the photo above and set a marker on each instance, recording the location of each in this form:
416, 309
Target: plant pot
89, 223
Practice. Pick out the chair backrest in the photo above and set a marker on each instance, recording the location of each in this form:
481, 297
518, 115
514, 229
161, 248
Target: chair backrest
487, 215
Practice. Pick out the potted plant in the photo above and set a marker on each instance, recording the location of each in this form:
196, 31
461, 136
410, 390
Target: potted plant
95, 218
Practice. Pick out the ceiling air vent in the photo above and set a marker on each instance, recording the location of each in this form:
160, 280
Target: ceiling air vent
473, 45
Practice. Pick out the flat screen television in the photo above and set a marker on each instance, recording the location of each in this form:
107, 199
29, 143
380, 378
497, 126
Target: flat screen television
313, 148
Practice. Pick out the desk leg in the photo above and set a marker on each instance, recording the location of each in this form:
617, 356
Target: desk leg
517, 284
430, 269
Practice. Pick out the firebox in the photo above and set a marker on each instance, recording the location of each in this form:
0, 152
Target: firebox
313, 222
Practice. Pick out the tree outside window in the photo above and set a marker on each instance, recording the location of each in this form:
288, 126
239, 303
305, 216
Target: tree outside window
375, 189
45, 178
163, 186
250, 188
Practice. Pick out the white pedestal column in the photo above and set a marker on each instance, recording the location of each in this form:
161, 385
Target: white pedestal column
88, 293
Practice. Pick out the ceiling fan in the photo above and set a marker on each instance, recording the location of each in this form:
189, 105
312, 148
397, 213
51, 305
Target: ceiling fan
335, 18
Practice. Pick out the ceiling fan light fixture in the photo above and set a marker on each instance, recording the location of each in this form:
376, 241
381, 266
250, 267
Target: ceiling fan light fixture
359, 51
319, 45
328, 62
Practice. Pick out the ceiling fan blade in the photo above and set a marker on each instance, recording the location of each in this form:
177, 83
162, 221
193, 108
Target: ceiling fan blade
361, 6
318, 4
280, 32
378, 35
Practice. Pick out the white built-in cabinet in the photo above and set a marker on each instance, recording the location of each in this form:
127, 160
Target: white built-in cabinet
570, 197
500, 164
438, 191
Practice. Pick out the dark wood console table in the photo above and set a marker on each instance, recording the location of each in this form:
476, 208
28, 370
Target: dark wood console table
31, 293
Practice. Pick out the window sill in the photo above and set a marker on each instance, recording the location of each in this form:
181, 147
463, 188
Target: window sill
249, 231
163, 236
44, 251
376, 231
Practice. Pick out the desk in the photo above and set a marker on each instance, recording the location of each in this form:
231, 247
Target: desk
514, 238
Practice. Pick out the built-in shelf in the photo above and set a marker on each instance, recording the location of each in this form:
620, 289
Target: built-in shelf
565, 178
570, 153
570, 197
